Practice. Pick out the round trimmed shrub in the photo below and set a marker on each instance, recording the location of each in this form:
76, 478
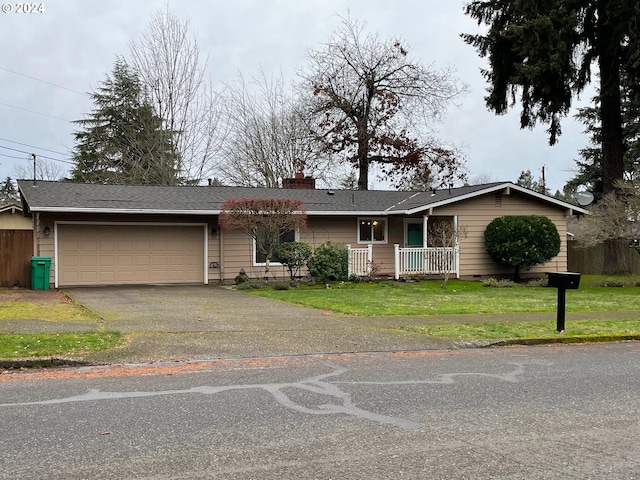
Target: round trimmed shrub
522, 241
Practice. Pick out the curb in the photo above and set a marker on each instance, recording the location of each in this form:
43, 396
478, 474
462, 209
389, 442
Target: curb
563, 340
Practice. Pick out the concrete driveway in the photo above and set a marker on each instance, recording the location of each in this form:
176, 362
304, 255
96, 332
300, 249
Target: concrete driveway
194, 308
208, 321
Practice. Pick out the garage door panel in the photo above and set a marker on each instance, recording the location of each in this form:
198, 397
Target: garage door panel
129, 254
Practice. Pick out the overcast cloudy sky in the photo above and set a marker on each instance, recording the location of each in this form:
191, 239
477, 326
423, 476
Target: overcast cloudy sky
50, 60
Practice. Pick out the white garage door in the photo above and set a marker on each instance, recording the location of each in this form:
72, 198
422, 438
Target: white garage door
129, 254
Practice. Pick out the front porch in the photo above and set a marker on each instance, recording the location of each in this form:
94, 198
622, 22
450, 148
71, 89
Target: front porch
408, 261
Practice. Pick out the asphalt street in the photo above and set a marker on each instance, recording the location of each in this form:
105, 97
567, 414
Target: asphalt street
546, 412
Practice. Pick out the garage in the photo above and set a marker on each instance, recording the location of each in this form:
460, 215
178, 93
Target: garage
121, 254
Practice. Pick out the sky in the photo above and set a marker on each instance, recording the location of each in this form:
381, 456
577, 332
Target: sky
53, 58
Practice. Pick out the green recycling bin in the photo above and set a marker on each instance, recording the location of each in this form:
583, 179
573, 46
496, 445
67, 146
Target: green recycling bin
40, 273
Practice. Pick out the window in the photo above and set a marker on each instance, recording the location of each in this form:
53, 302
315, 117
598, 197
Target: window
372, 230
261, 258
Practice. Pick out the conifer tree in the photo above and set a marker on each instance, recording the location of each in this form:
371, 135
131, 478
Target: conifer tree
123, 140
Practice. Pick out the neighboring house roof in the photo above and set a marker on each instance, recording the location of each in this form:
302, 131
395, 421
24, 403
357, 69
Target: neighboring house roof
11, 206
65, 197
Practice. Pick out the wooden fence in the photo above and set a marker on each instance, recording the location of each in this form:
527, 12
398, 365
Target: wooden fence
16, 248
590, 261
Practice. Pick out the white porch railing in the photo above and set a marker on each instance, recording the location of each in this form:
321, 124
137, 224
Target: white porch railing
426, 260
360, 260
408, 260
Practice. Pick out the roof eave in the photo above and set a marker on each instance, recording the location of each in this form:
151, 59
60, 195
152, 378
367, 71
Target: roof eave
377, 213
545, 198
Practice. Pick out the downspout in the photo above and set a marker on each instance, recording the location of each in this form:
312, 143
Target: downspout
221, 250
36, 237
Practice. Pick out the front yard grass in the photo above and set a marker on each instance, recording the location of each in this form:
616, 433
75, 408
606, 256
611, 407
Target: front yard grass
425, 298
390, 298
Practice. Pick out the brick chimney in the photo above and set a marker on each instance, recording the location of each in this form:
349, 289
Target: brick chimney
300, 182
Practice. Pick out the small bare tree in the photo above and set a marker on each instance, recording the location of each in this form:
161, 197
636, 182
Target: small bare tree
45, 169
613, 218
266, 140
444, 233
167, 60
264, 220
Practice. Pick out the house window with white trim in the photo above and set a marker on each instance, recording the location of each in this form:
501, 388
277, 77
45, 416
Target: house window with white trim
372, 230
261, 259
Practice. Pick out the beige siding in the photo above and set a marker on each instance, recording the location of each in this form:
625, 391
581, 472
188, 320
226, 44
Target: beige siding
238, 248
345, 230
214, 238
14, 220
475, 214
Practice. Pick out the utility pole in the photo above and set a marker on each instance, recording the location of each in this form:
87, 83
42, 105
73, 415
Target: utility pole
544, 183
33, 155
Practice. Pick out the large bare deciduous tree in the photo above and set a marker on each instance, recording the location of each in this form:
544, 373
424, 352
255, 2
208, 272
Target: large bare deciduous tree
370, 103
167, 60
266, 139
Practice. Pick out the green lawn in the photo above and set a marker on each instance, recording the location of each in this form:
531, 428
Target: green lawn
70, 311
427, 298
591, 330
15, 345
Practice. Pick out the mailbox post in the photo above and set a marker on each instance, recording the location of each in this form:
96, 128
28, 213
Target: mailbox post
563, 281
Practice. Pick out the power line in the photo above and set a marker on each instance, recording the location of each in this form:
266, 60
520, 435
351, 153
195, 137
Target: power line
32, 146
42, 81
11, 156
41, 156
33, 111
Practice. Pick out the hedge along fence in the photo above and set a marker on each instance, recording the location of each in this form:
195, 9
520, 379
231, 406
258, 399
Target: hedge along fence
590, 261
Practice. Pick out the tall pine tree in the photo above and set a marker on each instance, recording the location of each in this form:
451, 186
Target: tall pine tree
123, 140
589, 166
540, 55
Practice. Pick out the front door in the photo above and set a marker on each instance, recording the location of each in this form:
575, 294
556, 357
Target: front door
414, 238
414, 234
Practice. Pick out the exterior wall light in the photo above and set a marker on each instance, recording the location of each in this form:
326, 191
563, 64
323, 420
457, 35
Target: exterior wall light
46, 231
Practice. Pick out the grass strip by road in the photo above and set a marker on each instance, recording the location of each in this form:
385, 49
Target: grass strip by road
15, 345
68, 311
576, 330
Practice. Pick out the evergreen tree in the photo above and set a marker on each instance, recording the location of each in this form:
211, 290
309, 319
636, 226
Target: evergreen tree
9, 192
526, 180
123, 140
540, 54
589, 173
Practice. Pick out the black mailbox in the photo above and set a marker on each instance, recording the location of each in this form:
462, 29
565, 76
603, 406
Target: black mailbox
566, 280
563, 281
